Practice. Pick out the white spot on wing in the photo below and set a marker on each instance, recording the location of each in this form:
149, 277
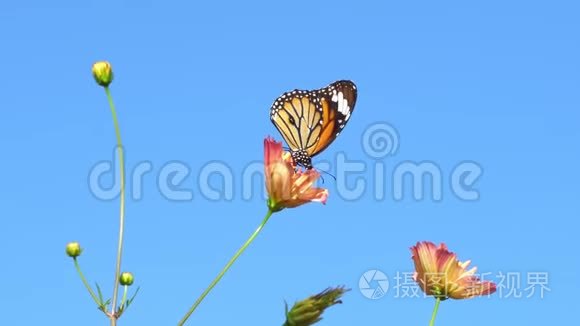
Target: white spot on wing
343, 105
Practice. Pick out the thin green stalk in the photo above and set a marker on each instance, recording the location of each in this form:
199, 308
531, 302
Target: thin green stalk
78, 267
226, 268
437, 302
121, 207
125, 288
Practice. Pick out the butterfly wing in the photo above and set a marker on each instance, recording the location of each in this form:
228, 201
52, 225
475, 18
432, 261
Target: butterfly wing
337, 102
297, 116
310, 121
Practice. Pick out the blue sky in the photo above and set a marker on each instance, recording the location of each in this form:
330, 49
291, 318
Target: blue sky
492, 83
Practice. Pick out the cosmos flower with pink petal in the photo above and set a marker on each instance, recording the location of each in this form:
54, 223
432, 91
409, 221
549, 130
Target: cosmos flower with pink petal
287, 185
439, 273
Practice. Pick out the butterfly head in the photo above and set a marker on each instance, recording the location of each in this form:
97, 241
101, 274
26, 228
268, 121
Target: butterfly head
302, 158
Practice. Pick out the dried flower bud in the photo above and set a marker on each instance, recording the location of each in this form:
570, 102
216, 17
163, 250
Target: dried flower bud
309, 311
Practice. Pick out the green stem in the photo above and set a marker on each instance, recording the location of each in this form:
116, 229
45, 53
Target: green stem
78, 268
437, 302
225, 269
125, 288
121, 208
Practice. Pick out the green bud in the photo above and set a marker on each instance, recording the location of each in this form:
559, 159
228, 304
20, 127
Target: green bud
73, 249
103, 73
309, 311
126, 278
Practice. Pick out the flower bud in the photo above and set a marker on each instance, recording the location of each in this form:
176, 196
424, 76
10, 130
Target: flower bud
103, 73
309, 311
126, 278
73, 249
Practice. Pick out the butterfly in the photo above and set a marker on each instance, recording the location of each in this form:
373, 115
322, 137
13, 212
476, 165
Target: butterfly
310, 120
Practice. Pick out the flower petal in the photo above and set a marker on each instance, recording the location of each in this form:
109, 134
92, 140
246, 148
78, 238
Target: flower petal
438, 272
287, 185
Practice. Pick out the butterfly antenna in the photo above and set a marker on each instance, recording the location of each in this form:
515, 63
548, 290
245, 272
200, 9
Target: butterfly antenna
324, 172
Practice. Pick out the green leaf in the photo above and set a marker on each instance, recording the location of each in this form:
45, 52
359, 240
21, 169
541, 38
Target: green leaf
125, 305
133, 297
100, 293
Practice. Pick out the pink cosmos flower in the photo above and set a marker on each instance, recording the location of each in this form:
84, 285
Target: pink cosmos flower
440, 274
287, 185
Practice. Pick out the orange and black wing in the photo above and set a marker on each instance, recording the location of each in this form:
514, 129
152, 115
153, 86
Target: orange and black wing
298, 117
337, 103
309, 121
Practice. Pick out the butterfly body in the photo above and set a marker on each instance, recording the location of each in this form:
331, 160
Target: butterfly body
310, 120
